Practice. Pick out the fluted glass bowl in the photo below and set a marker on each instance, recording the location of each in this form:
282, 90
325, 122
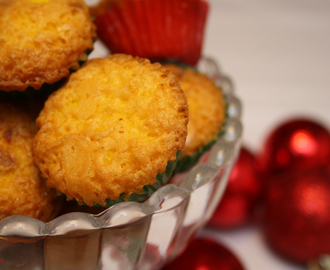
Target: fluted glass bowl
131, 235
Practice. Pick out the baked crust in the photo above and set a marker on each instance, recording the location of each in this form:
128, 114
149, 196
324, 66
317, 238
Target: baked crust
23, 191
41, 40
207, 108
111, 129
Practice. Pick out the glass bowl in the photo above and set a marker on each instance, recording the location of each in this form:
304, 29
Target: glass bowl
131, 235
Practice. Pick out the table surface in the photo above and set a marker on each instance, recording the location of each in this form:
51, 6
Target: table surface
277, 54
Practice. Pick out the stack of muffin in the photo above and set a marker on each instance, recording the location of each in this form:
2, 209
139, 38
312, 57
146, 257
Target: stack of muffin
94, 131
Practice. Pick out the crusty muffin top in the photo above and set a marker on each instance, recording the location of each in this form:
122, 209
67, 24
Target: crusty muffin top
23, 191
41, 40
111, 129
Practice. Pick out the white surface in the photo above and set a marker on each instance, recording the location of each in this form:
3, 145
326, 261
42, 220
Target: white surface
278, 55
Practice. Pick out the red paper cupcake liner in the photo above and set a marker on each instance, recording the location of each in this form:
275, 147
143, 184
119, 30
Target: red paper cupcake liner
155, 29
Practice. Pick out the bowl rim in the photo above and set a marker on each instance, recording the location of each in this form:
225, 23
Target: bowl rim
20, 226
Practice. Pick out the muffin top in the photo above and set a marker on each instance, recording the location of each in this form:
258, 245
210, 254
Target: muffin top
207, 108
41, 40
23, 191
111, 129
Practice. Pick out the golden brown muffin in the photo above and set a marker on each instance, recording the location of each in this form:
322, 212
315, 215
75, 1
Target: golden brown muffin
207, 108
41, 40
22, 190
111, 129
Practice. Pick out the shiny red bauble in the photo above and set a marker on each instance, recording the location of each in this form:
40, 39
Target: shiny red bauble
205, 254
297, 144
297, 214
243, 191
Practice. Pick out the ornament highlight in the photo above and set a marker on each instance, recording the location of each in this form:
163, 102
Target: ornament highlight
297, 144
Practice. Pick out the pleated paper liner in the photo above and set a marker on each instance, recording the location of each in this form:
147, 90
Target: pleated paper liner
155, 29
148, 190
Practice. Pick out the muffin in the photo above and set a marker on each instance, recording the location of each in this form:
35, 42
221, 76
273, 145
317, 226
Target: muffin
154, 29
41, 41
23, 191
113, 130
207, 113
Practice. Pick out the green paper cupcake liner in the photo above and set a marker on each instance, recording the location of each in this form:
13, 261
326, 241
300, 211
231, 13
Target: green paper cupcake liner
148, 190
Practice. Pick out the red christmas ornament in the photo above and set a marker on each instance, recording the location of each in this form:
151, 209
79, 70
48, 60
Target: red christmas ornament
297, 214
205, 254
241, 196
298, 144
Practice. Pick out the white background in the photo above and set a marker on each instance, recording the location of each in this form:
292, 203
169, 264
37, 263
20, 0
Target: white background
278, 56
